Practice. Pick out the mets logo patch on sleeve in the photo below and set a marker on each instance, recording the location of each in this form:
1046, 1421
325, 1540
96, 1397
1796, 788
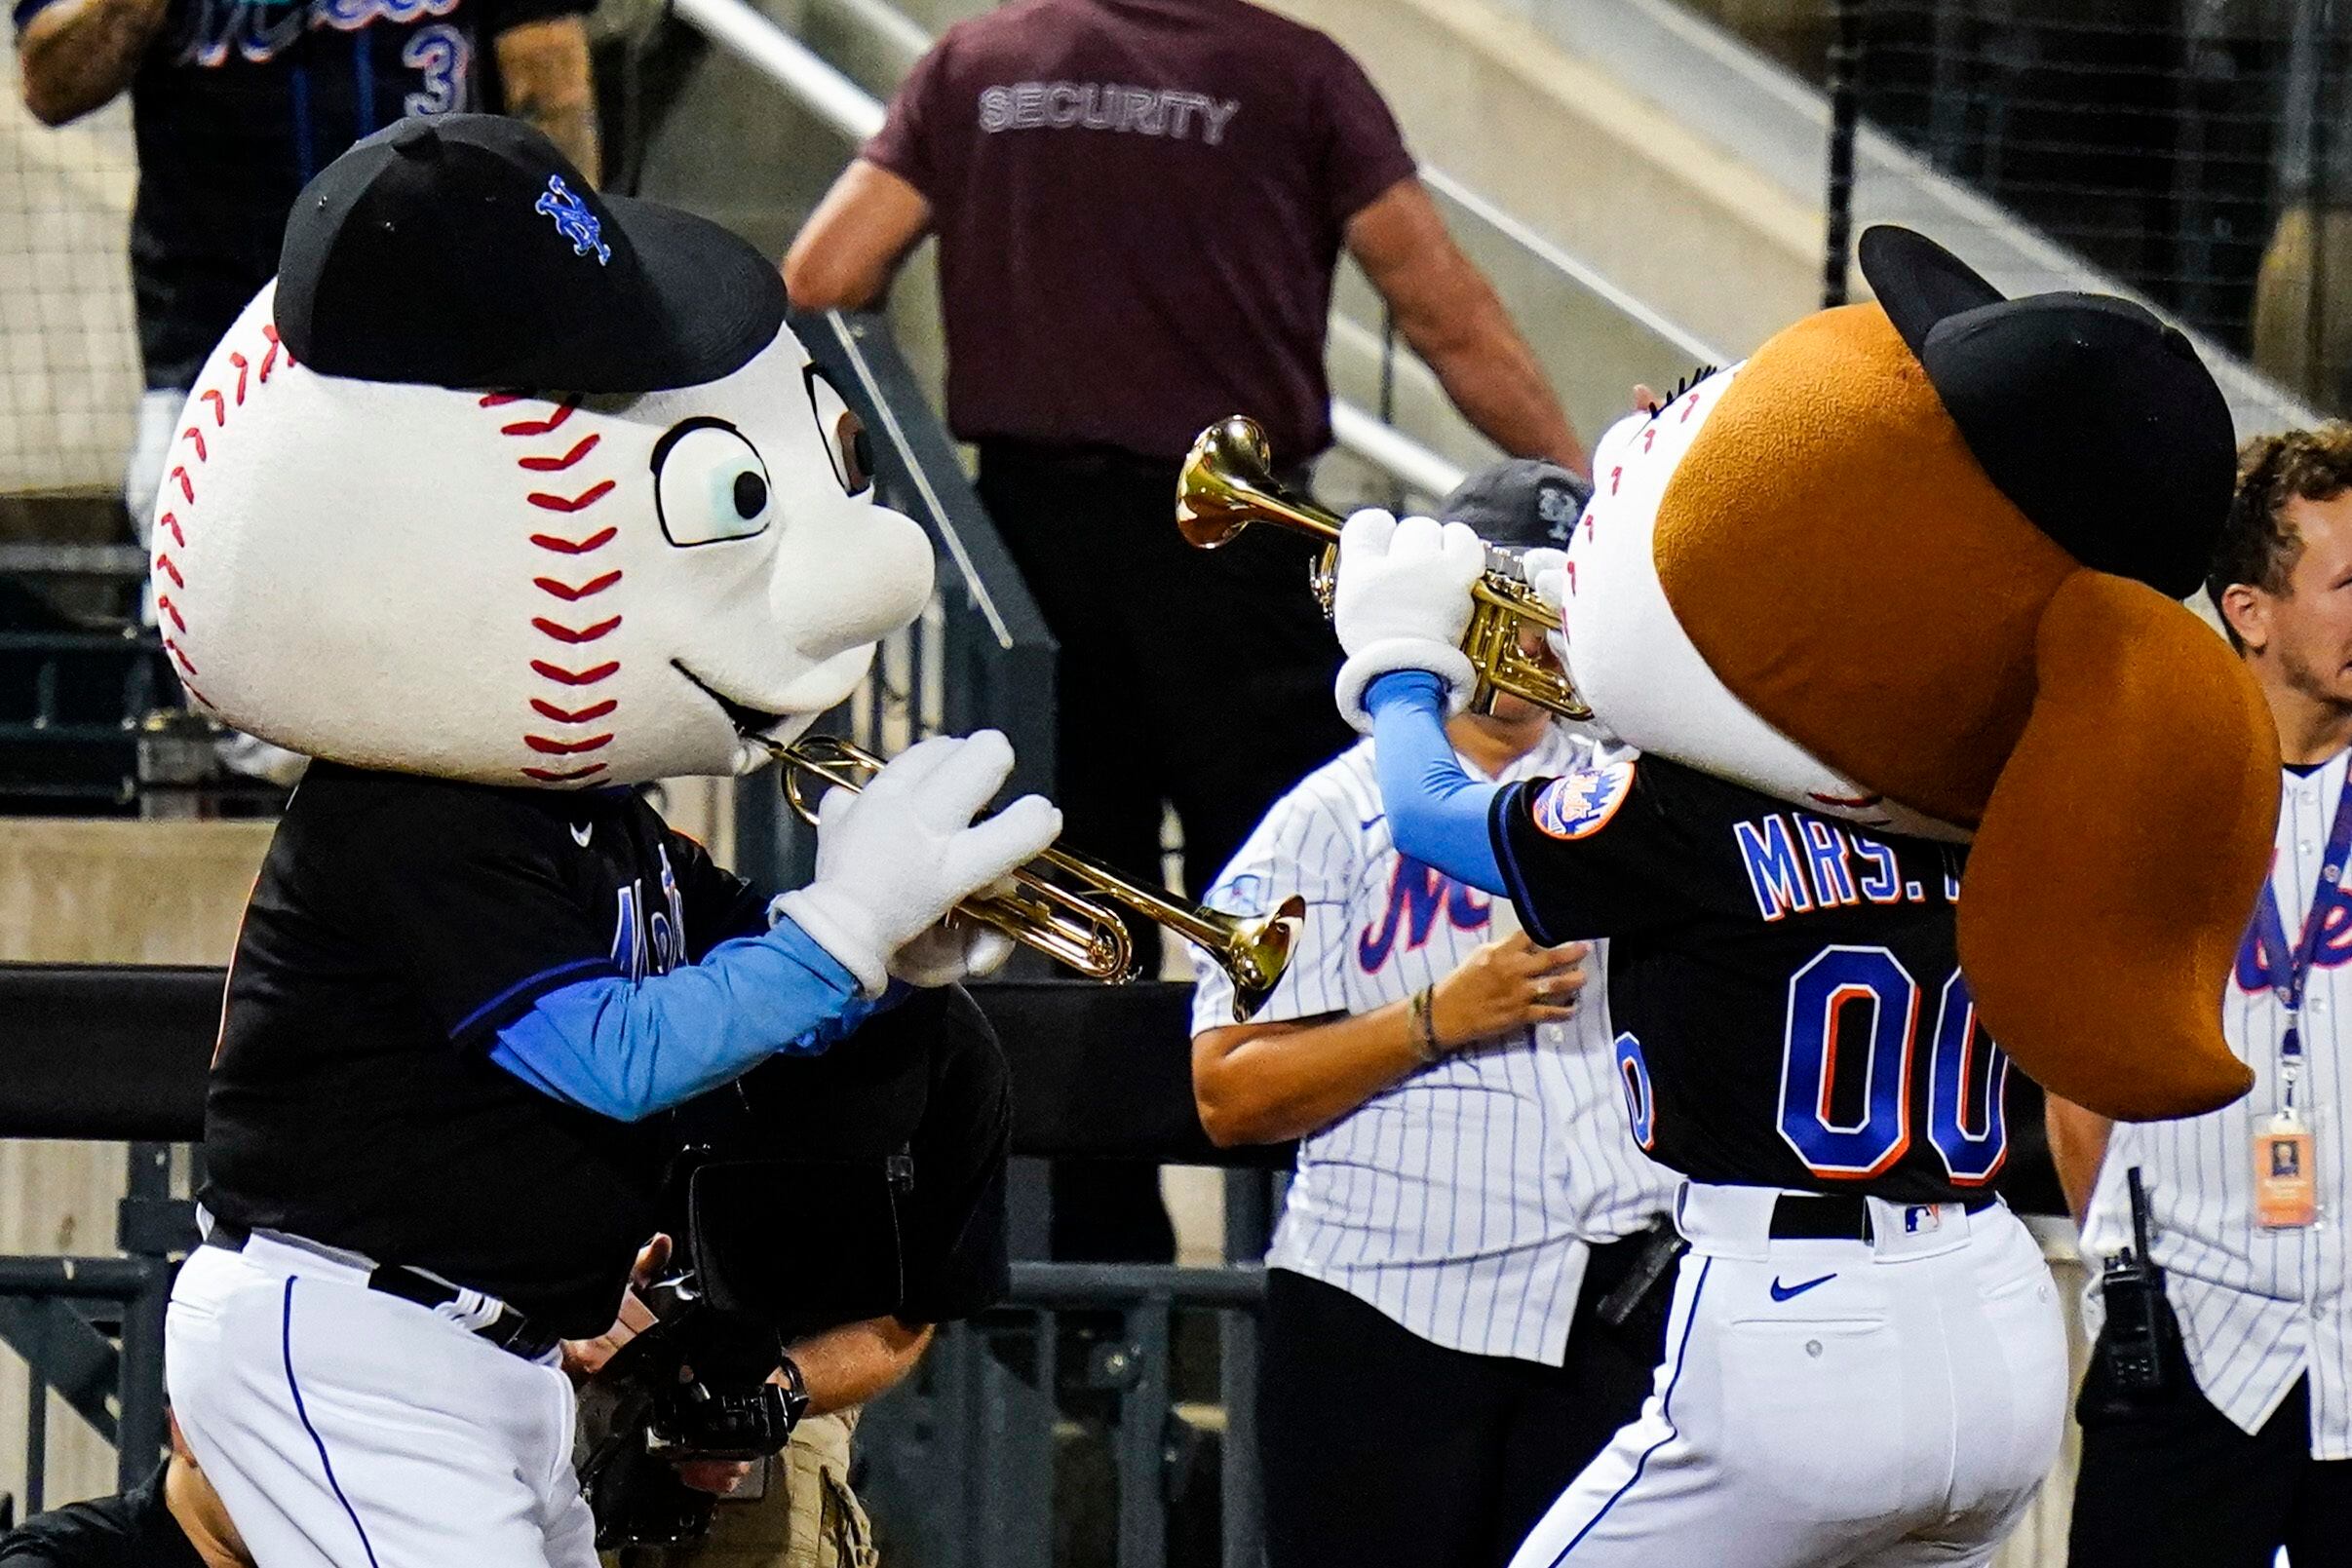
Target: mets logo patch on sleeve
1580, 804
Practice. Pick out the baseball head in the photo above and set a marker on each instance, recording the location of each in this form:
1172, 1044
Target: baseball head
382, 541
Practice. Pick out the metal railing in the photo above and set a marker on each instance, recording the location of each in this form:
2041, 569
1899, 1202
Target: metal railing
91, 1329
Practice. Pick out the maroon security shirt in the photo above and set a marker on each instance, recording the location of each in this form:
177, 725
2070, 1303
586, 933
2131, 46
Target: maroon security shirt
1140, 204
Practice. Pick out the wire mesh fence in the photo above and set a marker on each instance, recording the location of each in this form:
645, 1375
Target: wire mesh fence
2198, 151
69, 369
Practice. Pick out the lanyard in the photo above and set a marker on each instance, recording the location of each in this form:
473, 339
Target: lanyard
2271, 931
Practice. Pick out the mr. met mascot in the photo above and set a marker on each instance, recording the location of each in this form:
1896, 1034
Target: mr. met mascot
503, 498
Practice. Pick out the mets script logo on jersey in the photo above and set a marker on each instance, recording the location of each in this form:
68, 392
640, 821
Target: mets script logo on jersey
573, 221
2260, 969
1580, 804
1417, 895
649, 941
259, 30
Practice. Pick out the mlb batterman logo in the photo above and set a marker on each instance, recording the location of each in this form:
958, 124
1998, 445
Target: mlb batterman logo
573, 221
1580, 804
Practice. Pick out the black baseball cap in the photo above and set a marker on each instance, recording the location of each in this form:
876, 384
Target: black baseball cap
2095, 418
464, 251
1523, 502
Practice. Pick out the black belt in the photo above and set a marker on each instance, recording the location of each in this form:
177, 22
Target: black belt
1840, 1216
508, 1329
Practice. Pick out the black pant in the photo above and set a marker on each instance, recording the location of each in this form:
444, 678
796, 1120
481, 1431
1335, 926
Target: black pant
1379, 1447
1198, 678
1201, 679
2169, 1481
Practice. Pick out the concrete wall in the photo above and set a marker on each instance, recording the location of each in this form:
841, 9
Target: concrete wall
88, 892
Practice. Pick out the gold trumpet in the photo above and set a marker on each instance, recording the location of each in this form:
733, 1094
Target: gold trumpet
1067, 926
1227, 484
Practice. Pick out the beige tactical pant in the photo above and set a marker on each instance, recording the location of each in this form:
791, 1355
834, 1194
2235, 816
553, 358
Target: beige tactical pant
808, 1517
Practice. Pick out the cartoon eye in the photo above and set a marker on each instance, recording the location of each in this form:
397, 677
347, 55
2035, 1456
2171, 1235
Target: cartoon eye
844, 433
709, 484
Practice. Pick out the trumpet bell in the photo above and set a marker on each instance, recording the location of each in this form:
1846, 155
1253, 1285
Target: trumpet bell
1227, 482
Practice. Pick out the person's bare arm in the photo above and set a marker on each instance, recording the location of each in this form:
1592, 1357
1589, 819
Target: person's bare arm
1451, 316
2078, 1147
1263, 1083
544, 71
77, 55
846, 1366
845, 254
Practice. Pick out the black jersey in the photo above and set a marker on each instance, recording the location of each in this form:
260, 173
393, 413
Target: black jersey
134, 1530
397, 923
239, 103
1785, 986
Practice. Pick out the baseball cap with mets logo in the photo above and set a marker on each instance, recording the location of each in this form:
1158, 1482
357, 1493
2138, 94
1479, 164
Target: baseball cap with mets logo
464, 251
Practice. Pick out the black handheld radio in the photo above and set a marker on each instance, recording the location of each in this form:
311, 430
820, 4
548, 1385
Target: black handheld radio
2133, 1289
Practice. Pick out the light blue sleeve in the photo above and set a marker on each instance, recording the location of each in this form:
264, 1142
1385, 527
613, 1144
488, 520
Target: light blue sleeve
628, 1048
1437, 812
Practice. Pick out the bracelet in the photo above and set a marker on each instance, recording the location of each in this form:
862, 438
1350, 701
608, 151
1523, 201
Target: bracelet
1422, 1011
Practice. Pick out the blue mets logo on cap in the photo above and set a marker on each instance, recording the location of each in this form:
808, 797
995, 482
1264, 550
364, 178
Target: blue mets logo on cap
573, 221
1580, 804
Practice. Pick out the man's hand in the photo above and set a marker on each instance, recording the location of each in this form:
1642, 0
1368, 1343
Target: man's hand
74, 56
1506, 986
843, 258
892, 860
583, 1358
1402, 602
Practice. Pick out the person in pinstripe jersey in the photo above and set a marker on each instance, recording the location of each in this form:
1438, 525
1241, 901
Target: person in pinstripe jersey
1454, 1302
2248, 1446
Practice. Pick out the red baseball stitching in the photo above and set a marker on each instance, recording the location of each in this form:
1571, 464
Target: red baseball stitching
542, 427
566, 715
574, 502
556, 465
572, 595
569, 592
169, 521
238, 360
576, 678
163, 602
566, 748
187, 491
171, 571
574, 634
271, 357
575, 546
192, 433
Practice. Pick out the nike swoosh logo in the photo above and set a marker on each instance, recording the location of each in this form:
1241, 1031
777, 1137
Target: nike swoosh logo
582, 832
1370, 822
1781, 1292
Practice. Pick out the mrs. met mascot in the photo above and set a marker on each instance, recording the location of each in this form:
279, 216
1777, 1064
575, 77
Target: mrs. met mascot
1931, 758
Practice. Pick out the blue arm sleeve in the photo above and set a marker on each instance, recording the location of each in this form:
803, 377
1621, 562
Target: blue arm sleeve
628, 1049
1437, 812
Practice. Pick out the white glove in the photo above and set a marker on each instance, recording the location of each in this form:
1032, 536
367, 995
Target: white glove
951, 952
1547, 572
1403, 604
895, 858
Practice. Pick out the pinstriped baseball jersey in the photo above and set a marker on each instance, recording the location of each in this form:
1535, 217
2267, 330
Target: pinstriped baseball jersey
1460, 1202
2259, 1308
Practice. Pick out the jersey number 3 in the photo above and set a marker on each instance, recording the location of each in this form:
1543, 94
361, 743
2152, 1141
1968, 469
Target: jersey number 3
1853, 1034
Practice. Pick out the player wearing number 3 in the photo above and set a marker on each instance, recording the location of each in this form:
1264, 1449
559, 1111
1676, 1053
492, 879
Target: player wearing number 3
1856, 610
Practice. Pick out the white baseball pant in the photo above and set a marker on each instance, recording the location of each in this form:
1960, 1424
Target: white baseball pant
344, 1428
1892, 1404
